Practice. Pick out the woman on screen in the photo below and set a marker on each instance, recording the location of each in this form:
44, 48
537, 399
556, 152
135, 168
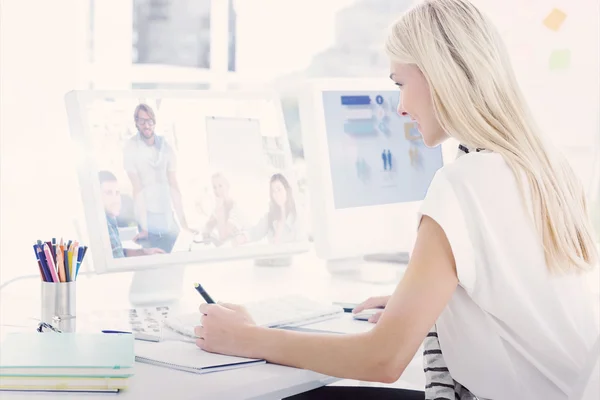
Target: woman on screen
497, 288
281, 223
223, 220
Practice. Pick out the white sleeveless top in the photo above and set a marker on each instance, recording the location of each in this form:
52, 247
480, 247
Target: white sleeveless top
511, 330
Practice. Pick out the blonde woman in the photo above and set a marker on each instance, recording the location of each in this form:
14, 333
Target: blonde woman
504, 247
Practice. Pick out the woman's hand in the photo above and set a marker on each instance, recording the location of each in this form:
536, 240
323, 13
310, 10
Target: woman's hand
372, 302
225, 329
151, 251
239, 239
140, 236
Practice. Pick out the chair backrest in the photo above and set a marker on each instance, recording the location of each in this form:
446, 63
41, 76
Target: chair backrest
588, 385
127, 215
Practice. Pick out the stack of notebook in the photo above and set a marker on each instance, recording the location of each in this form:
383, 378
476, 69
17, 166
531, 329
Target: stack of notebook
188, 357
66, 362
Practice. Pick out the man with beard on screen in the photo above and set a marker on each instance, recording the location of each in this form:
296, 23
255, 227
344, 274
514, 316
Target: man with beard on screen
151, 165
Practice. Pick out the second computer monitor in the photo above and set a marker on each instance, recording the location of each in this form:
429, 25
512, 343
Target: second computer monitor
368, 168
180, 177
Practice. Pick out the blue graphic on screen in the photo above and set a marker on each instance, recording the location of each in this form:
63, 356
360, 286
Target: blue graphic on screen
377, 156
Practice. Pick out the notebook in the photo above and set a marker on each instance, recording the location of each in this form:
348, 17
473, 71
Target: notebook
63, 384
188, 357
67, 354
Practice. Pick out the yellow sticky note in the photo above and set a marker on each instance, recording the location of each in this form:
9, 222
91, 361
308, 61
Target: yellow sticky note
560, 59
555, 19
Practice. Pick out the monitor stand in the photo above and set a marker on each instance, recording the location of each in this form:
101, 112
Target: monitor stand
157, 286
283, 261
383, 268
395, 258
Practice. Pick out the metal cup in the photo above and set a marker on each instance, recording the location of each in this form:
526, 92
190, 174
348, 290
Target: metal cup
59, 305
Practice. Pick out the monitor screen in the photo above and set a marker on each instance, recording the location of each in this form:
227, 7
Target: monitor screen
376, 156
208, 177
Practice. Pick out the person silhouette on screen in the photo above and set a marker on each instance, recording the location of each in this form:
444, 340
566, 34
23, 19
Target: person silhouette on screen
389, 159
151, 165
385, 160
281, 224
111, 200
223, 218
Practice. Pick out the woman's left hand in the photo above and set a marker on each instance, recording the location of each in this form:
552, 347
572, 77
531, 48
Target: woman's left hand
225, 329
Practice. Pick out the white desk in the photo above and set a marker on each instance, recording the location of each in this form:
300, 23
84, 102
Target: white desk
236, 282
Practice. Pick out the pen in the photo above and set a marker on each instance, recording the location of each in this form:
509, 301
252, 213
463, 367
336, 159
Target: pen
136, 335
73, 259
50, 263
60, 264
78, 259
40, 253
41, 270
40, 265
66, 259
62, 276
54, 248
51, 252
203, 293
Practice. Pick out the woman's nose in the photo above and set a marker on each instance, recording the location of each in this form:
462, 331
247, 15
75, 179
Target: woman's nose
401, 111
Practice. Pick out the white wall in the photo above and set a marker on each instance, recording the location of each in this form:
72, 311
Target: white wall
42, 52
276, 37
565, 102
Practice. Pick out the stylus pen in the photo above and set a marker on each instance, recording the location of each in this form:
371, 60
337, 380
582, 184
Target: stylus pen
203, 293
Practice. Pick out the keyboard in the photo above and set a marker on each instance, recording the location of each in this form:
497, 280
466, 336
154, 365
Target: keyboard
280, 312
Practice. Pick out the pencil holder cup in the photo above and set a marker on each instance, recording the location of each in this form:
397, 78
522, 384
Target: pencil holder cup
59, 305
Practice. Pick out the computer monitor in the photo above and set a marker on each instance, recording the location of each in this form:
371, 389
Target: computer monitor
173, 178
368, 169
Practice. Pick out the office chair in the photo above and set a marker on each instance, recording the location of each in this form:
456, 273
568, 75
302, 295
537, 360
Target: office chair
127, 215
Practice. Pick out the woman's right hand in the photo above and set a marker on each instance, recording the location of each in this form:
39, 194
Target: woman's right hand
372, 302
140, 236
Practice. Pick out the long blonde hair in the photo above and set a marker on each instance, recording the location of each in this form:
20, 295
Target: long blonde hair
478, 102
